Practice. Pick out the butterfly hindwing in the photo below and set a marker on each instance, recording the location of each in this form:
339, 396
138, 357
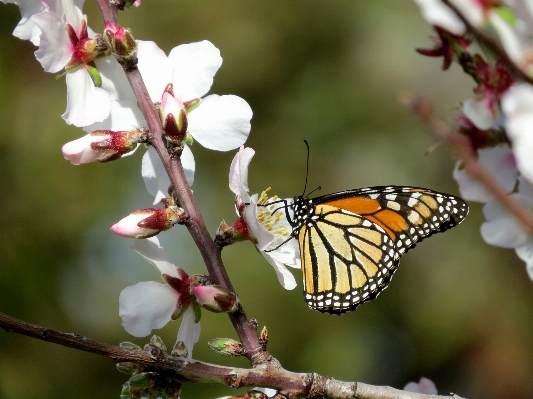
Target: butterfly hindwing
346, 260
351, 242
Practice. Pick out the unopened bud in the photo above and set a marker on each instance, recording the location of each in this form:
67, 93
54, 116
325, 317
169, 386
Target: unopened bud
227, 346
103, 145
143, 380
157, 341
148, 222
216, 298
173, 118
179, 350
121, 43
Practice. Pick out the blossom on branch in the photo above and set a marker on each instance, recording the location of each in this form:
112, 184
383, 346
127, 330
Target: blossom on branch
262, 220
148, 222
150, 305
65, 44
103, 146
216, 122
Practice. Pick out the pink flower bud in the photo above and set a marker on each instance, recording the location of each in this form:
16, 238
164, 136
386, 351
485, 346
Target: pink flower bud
119, 40
173, 117
79, 151
215, 298
148, 222
103, 146
129, 226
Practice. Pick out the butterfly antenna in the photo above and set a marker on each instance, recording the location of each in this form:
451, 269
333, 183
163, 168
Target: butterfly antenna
306, 167
316, 189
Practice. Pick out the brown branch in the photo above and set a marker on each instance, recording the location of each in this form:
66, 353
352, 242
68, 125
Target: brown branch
464, 151
196, 226
289, 384
492, 44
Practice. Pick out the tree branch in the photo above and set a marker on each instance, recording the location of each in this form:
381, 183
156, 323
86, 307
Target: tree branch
196, 226
463, 149
289, 384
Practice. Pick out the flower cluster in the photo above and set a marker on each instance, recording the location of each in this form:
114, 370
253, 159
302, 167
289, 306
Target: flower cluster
498, 120
101, 101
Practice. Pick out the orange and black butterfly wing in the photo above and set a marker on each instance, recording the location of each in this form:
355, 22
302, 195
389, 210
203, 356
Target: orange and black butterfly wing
408, 214
352, 242
346, 260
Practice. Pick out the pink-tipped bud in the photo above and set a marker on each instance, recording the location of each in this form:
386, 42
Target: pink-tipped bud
173, 117
120, 41
215, 298
129, 226
148, 222
103, 146
80, 151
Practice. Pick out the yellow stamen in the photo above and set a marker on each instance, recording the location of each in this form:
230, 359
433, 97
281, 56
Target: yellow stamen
267, 217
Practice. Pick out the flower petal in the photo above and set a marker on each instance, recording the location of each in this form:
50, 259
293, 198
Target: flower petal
115, 83
220, 122
436, 13
425, 386
146, 306
26, 28
155, 176
55, 48
525, 253
479, 112
86, 103
285, 277
517, 104
259, 232
123, 115
195, 65
238, 173
155, 68
288, 253
129, 226
80, 152
151, 250
500, 162
501, 228
189, 331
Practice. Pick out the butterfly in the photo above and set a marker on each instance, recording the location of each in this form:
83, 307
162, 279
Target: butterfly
351, 241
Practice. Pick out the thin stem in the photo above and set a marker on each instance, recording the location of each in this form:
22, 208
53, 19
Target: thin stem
196, 226
289, 384
464, 151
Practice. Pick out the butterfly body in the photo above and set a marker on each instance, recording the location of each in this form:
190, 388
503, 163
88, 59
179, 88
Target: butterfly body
351, 241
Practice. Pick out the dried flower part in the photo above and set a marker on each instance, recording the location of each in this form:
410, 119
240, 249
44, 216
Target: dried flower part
238, 231
263, 338
447, 45
179, 350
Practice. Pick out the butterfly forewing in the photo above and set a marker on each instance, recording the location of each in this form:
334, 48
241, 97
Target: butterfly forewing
351, 242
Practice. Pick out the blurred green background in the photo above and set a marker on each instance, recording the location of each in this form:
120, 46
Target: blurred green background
458, 312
